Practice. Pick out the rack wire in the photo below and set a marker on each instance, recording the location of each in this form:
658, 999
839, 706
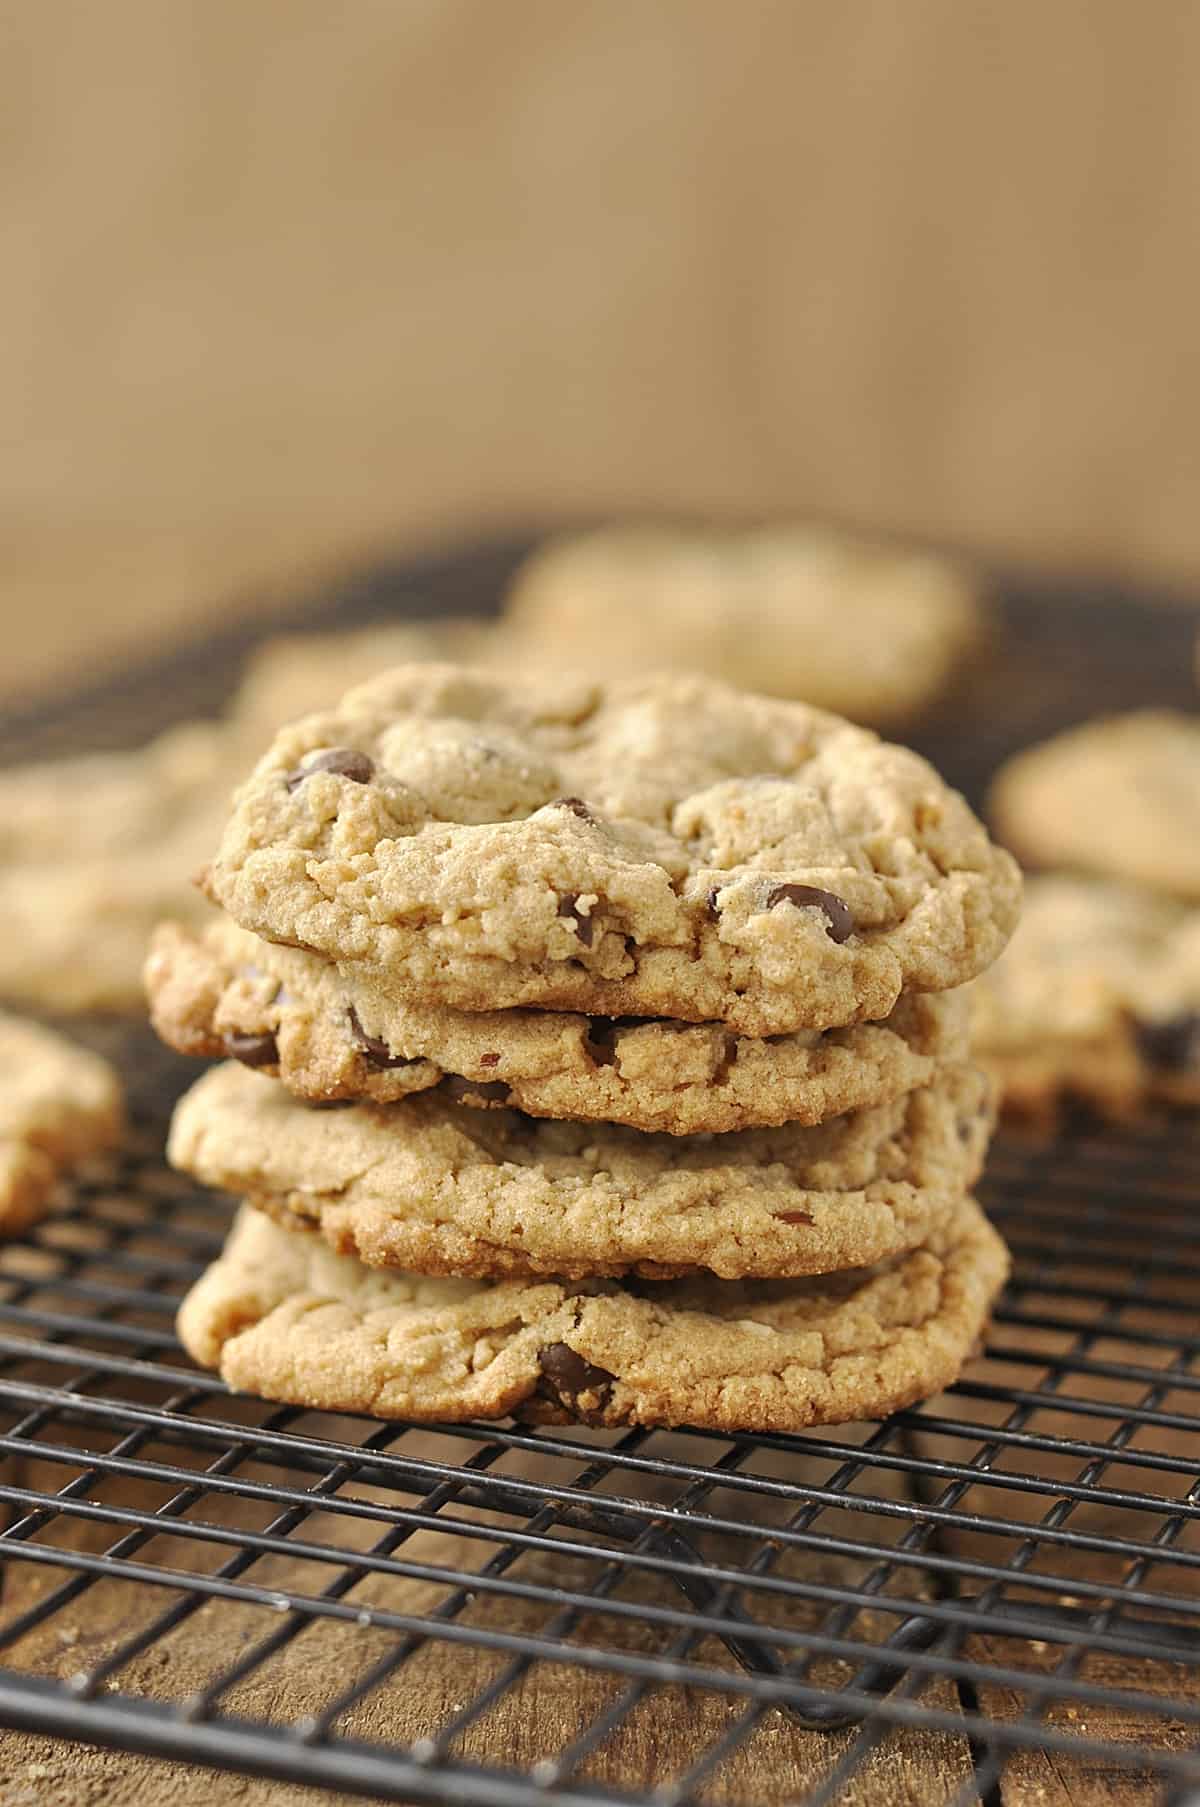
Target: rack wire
997, 1592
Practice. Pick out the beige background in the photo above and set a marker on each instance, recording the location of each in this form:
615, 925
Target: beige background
288, 280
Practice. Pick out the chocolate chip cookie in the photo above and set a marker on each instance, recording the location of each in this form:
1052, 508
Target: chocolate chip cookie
281, 1315
433, 1185
330, 1035
1119, 797
662, 847
1097, 998
871, 631
58, 1105
97, 850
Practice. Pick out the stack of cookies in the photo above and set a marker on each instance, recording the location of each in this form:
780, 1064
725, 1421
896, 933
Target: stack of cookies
596, 1055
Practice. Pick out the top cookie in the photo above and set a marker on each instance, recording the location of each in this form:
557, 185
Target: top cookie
869, 630
653, 847
58, 1104
1119, 796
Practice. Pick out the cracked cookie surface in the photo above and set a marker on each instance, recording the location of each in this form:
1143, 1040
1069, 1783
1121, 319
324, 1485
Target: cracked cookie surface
279, 1314
869, 630
655, 847
58, 1105
330, 1034
1119, 797
1097, 998
435, 1186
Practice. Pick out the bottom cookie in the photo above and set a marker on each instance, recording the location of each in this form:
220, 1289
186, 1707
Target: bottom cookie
58, 1104
281, 1315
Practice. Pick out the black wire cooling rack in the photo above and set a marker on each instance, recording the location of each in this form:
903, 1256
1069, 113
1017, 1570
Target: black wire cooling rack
990, 1599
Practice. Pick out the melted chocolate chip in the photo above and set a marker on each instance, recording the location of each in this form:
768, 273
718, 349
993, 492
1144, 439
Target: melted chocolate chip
1174, 1044
601, 1040
712, 903
568, 907
253, 1050
343, 762
577, 807
837, 911
795, 1217
489, 1060
492, 1091
377, 1052
566, 1374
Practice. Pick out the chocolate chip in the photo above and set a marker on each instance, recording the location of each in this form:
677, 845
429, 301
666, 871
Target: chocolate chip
253, 1050
837, 911
794, 1217
492, 1091
712, 903
567, 1374
601, 1040
577, 807
1173, 1044
568, 906
377, 1052
489, 1060
343, 762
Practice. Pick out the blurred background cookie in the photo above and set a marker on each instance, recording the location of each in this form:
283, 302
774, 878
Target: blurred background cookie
833, 618
1096, 999
59, 1104
1117, 796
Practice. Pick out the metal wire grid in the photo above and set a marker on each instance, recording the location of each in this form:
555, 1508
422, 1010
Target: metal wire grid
1010, 1571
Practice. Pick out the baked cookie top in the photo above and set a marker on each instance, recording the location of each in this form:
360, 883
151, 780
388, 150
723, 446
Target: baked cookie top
869, 630
58, 1104
281, 1315
1097, 995
433, 1185
651, 847
330, 1034
1119, 797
